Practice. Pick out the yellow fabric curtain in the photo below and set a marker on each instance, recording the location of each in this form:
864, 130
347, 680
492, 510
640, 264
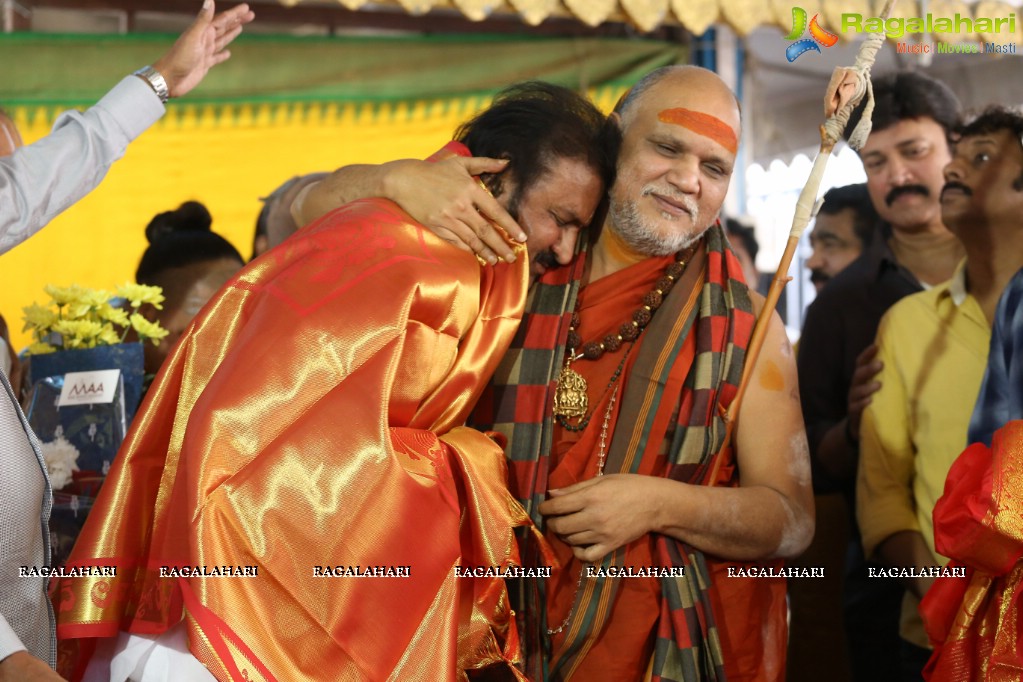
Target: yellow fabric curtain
225, 156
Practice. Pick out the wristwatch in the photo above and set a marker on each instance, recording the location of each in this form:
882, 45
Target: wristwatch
155, 81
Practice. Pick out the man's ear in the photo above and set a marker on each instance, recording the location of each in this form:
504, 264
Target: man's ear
616, 118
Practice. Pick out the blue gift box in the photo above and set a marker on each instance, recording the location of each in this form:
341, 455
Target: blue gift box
95, 428
127, 357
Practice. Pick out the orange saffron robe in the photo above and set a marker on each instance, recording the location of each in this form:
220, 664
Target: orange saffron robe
312, 417
750, 613
623, 650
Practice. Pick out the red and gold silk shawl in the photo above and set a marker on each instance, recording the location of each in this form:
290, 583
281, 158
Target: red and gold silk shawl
313, 416
711, 626
976, 623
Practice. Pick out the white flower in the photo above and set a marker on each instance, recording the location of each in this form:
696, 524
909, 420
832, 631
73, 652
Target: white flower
61, 459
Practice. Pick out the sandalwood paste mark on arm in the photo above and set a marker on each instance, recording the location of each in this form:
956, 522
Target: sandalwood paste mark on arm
770, 376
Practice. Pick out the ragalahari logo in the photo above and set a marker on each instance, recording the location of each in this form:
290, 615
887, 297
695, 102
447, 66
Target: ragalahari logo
818, 35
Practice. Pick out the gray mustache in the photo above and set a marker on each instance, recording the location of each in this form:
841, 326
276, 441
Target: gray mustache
684, 199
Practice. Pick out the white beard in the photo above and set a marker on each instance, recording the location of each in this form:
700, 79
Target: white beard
643, 237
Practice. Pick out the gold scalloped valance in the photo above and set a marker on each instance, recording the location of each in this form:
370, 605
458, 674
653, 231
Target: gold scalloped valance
695, 15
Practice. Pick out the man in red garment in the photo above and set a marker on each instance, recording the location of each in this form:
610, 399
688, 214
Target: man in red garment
309, 428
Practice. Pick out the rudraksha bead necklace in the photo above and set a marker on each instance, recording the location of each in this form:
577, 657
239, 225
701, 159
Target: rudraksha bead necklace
570, 399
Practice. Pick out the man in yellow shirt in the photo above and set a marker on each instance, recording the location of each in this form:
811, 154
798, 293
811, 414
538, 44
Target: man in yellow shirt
933, 346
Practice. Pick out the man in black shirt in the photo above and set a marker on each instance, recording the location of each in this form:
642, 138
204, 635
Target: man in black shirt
843, 229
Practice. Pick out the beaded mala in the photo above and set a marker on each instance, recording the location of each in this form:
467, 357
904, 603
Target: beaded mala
571, 401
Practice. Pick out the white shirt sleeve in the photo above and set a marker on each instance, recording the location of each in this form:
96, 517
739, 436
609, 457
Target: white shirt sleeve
40, 180
9, 642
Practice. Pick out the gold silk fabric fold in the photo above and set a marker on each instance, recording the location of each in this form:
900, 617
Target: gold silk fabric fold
312, 417
976, 623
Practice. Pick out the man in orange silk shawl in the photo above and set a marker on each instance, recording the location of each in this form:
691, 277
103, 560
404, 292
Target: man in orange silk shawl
629, 480
974, 623
312, 416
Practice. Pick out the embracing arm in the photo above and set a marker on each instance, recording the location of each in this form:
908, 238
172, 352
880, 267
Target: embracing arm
345, 185
441, 195
770, 514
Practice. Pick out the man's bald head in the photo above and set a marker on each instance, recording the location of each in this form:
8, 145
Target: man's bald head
680, 134
681, 78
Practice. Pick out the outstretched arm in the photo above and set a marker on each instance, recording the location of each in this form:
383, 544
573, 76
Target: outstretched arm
202, 46
770, 514
40, 181
444, 196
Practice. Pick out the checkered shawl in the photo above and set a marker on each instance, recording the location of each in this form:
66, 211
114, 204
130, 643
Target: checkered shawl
711, 301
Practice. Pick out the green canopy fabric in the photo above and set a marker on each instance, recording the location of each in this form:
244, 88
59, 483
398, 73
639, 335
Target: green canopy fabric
58, 71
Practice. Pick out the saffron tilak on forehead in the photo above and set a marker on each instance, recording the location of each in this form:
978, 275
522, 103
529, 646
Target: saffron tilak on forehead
702, 124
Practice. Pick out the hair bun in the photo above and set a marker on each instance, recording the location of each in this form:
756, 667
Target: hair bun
190, 216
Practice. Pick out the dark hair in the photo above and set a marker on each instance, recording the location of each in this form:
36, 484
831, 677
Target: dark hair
908, 94
995, 117
745, 234
857, 198
181, 237
189, 216
533, 123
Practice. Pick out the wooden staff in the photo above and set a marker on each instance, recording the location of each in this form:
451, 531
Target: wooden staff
848, 86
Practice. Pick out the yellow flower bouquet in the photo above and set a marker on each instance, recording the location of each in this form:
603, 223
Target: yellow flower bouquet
86, 384
86, 318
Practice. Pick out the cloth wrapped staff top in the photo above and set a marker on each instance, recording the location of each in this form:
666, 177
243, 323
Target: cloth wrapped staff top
847, 88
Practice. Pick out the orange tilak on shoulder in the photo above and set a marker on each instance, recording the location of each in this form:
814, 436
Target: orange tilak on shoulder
702, 124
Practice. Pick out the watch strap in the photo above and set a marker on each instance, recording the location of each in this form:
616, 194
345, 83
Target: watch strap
156, 82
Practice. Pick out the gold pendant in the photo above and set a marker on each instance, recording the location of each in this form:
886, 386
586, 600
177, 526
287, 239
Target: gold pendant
570, 399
